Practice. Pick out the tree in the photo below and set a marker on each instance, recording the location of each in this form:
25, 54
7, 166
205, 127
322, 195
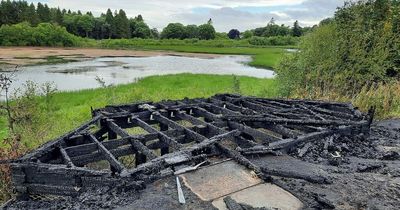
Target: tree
43, 12
86, 23
247, 34
110, 26
122, 29
234, 34
154, 33
173, 31
139, 28
191, 31
296, 30
206, 31
57, 16
33, 17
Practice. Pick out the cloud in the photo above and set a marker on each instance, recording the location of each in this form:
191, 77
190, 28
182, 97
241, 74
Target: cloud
226, 14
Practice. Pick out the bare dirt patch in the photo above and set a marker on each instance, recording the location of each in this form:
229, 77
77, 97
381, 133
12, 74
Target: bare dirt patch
37, 55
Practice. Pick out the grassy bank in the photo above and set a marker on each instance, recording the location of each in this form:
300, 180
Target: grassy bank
69, 109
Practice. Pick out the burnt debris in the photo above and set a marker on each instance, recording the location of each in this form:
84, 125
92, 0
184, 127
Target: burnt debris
131, 145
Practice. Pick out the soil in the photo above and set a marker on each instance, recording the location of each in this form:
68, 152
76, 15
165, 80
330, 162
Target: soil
362, 172
11, 56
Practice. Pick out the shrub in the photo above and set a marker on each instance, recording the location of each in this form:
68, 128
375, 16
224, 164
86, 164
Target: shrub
45, 34
273, 40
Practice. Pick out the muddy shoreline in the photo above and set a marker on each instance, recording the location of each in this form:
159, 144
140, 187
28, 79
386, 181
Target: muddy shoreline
24, 56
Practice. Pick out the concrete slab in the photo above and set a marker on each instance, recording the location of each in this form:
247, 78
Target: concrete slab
263, 195
218, 180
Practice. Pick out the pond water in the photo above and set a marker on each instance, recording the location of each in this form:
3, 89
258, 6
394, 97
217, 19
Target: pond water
120, 70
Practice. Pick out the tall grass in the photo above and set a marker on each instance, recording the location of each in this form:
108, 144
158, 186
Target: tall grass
385, 97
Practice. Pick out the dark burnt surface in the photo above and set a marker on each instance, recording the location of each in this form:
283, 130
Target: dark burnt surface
303, 146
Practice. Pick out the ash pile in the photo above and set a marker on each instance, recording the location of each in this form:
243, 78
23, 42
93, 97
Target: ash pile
213, 153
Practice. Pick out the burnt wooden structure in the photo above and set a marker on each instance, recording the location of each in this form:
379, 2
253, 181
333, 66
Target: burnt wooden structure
131, 145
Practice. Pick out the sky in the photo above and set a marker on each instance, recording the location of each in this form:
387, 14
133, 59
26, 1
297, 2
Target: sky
226, 14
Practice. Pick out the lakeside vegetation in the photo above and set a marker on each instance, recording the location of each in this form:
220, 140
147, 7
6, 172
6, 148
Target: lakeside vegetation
354, 56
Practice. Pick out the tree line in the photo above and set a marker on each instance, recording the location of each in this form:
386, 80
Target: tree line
115, 25
108, 25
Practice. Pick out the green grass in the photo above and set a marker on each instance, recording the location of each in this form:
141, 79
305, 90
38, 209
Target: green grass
3, 128
70, 109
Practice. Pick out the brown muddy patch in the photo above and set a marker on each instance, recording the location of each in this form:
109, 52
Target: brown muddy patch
23, 56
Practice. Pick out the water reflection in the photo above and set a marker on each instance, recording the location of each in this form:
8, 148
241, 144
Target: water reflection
119, 70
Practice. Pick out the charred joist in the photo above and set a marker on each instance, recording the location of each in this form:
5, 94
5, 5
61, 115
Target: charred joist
135, 142
214, 130
190, 133
164, 138
82, 160
233, 107
239, 158
253, 132
66, 158
284, 121
290, 143
282, 130
108, 155
341, 115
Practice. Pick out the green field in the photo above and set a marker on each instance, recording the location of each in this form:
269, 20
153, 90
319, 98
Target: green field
69, 109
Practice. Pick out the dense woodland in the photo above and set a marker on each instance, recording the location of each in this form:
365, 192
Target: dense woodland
117, 25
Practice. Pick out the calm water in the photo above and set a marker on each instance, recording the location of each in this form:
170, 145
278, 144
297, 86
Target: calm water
119, 70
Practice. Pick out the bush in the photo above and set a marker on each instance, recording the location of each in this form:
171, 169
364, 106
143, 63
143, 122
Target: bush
273, 40
354, 57
45, 34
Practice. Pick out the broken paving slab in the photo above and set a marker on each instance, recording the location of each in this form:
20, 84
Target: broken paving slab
218, 180
265, 195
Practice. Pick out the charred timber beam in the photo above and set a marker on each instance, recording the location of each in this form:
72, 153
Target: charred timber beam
282, 130
239, 158
253, 132
97, 156
311, 112
206, 114
108, 155
134, 141
66, 158
212, 128
341, 115
261, 118
219, 110
192, 134
231, 106
164, 138
259, 108
290, 143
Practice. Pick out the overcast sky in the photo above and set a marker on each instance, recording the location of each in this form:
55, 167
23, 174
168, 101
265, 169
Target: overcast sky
226, 14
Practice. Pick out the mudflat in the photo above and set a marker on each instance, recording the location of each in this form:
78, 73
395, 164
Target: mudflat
38, 55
